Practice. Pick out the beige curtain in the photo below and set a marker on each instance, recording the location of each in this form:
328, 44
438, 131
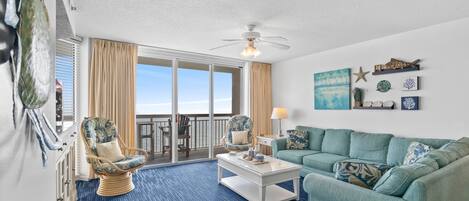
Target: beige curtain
111, 89
261, 99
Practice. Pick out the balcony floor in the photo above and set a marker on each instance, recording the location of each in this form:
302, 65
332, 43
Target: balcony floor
193, 154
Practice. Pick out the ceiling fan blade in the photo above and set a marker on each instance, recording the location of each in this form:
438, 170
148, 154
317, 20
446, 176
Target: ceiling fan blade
232, 40
274, 44
275, 38
226, 45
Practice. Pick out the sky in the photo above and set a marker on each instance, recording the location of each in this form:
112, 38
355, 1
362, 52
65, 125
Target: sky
154, 90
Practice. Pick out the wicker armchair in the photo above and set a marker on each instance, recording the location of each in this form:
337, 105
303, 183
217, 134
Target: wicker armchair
237, 123
115, 177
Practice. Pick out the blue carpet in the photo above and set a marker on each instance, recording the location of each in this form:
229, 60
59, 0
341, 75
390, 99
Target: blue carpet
197, 181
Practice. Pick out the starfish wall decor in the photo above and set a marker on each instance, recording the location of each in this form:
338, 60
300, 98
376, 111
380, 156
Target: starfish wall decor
361, 75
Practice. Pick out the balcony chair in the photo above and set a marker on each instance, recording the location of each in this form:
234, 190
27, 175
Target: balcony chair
115, 177
183, 133
237, 123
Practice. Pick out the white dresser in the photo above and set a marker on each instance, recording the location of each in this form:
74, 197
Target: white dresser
65, 167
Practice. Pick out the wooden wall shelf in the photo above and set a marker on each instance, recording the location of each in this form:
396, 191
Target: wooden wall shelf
415, 68
373, 108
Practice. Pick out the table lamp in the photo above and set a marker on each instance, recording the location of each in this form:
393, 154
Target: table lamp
279, 113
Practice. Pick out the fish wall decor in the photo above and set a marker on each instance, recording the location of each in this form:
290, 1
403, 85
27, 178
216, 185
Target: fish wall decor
31, 59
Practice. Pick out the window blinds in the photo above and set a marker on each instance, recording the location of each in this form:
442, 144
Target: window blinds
66, 61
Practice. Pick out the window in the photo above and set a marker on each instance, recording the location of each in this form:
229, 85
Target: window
154, 89
66, 61
193, 82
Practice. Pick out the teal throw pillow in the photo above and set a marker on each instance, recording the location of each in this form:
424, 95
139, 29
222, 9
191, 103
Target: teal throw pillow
464, 140
457, 146
416, 151
442, 157
297, 139
361, 174
396, 181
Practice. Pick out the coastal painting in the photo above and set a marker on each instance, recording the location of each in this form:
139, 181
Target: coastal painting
332, 90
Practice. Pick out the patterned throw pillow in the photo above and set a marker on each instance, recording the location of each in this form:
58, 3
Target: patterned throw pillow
361, 174
416, 151
297, 139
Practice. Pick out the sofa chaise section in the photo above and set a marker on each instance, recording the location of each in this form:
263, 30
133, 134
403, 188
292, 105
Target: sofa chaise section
446, 183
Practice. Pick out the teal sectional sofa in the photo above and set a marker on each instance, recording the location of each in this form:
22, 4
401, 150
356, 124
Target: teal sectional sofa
328, 146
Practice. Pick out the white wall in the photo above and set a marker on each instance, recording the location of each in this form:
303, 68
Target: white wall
82, 169
444, 50
22, 176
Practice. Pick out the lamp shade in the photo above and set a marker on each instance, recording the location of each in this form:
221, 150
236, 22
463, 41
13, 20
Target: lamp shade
279, 113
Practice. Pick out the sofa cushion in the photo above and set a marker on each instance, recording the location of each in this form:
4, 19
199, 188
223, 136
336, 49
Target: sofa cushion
362, 174
396, 181
416, 151
322, 161
398, 148
336, 141
294, 156
316, 136
297, 139
369, 146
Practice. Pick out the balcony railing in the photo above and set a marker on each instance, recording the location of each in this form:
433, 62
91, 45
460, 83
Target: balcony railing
150, 136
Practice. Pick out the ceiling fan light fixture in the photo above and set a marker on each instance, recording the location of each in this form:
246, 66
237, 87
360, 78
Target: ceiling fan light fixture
250, 50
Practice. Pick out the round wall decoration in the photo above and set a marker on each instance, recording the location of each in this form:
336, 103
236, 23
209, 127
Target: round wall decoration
383, 86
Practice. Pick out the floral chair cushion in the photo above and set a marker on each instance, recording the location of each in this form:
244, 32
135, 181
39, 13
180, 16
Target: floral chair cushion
239, 123
128, 163
98, 130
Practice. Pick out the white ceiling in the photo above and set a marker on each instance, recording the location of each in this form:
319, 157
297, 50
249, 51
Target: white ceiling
310, 25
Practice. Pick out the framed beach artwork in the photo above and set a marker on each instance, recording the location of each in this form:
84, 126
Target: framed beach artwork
332, 90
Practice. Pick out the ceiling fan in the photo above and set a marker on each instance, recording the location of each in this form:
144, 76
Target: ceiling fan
253, 38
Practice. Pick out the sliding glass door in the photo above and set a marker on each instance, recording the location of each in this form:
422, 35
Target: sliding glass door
154, 108
193, 105
183, 108
226, 101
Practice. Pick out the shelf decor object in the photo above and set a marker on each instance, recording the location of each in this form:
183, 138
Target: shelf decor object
411, 83
376, 105
367, 103
396, 66
373, 108
357, 97
383, 86
332, 90
410, 103
361, 75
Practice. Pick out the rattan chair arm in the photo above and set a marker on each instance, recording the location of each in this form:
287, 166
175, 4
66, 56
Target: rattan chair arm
138, 150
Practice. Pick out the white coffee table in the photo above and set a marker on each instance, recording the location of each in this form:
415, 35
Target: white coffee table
257, 182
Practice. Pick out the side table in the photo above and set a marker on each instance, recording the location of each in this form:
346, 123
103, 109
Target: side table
265, 143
